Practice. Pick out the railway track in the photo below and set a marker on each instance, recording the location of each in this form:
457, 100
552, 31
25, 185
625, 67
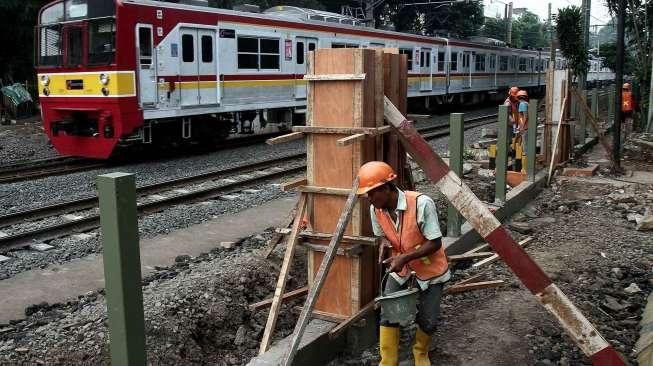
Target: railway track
45, 168
208, 185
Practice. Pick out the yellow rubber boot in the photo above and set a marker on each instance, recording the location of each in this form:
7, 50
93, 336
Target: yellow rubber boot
421, 348
389, 345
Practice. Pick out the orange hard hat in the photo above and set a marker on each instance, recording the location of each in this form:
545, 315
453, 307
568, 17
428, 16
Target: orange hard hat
513, 91
626, 86
522, 93
374, 174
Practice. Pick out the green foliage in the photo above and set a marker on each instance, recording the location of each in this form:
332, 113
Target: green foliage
528, 31
463, 19
495, 28
609, 52
570, 35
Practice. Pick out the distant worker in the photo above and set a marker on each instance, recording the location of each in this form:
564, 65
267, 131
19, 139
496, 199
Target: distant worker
627, 108
512, 102
407, 222
521, 131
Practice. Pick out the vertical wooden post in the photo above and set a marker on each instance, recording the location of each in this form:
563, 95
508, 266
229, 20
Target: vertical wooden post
595, 105
122, 268
456, 149
582, 125
531, 140
573, 116
610, 105
502, 156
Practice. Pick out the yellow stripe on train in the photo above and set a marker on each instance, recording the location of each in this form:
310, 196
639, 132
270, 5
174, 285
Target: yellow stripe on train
88, 84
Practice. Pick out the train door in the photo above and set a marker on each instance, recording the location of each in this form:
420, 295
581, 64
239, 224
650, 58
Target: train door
207, 70
146, 66
426, 77
189, 68
302, 47
467, 69
493, 70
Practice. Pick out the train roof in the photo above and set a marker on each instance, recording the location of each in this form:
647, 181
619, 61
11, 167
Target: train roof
320, 18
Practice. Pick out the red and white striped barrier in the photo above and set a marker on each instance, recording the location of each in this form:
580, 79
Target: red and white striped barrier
584, 334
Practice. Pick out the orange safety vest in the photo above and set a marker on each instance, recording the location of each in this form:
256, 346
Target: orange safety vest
627, 103
513, 110
410, 239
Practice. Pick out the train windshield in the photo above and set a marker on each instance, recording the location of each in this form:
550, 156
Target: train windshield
77, 33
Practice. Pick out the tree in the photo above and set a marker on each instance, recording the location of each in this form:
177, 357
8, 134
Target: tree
495, 28
528, 31
462, 19
608, 52
570, 36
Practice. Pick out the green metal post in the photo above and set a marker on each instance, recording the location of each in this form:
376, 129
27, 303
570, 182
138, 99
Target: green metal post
122, 268
456, 149
531, 140
582, 120
595, 107
502, 156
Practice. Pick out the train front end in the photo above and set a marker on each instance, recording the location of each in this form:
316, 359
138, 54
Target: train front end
88, 97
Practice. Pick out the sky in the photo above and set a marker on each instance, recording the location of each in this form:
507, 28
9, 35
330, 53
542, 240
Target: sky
599, 11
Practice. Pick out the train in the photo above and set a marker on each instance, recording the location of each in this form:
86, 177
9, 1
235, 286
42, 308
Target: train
118, 73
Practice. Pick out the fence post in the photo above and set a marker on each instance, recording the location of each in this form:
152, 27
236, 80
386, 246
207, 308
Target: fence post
502, 156
531, 140
610, 105
582, 121
122, 268
573, 116
456, 151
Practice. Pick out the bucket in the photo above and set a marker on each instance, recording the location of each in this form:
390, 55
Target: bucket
398, 307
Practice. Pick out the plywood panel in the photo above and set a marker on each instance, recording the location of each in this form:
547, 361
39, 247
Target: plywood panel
336, 294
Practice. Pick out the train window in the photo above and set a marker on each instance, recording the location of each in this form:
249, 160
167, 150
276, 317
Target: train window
503, 63
50, 51
409, 56
492, 62
338, 45
145, 41
454, 62
247, 53
480, 62
187, 48
441, 61
300, 53
522, 64
421, 58
311, 46
52, 14
207, 49
428, 59
513, 66
269, 58
75, 45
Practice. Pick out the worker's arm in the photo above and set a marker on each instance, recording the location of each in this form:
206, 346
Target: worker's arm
398, 262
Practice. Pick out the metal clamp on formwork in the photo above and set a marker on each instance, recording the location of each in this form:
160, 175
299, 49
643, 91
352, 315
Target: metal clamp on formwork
583, 333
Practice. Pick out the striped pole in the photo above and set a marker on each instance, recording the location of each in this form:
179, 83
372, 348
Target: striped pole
584, 334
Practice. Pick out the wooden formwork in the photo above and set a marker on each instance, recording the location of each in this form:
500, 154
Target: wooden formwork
345, 100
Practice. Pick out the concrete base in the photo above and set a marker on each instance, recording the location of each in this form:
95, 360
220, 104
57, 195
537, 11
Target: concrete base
317, 348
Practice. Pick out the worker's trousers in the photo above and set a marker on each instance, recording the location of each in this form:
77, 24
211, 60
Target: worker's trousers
428, 305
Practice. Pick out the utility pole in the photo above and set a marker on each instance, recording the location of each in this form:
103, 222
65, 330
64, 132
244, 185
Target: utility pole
649, 126
619, 79
509, 31
552, 51
585, 7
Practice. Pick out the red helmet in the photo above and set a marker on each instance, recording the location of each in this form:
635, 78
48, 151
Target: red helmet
513, 91
374, 174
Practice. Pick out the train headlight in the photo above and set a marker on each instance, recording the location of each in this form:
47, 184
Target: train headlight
45, 80
104, 79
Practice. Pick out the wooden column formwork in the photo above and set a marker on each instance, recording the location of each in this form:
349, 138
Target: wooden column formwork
338, 106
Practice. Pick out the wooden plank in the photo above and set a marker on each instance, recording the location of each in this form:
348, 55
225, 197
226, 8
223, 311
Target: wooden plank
334, 77
324, 190
277, 236
473, 278
473, 286
345, 141
478, 248
495, 257
285, 138
283, 276
291, 295
468, 257
346, 239
286, 186
320, 278
335, 332
329, 317
343, 130
555, 142
348, 252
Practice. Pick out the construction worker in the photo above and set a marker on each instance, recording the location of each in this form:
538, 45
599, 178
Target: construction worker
408, 224
512, 102
627, 107
521, 131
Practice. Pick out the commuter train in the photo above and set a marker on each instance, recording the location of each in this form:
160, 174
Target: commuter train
115, 73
